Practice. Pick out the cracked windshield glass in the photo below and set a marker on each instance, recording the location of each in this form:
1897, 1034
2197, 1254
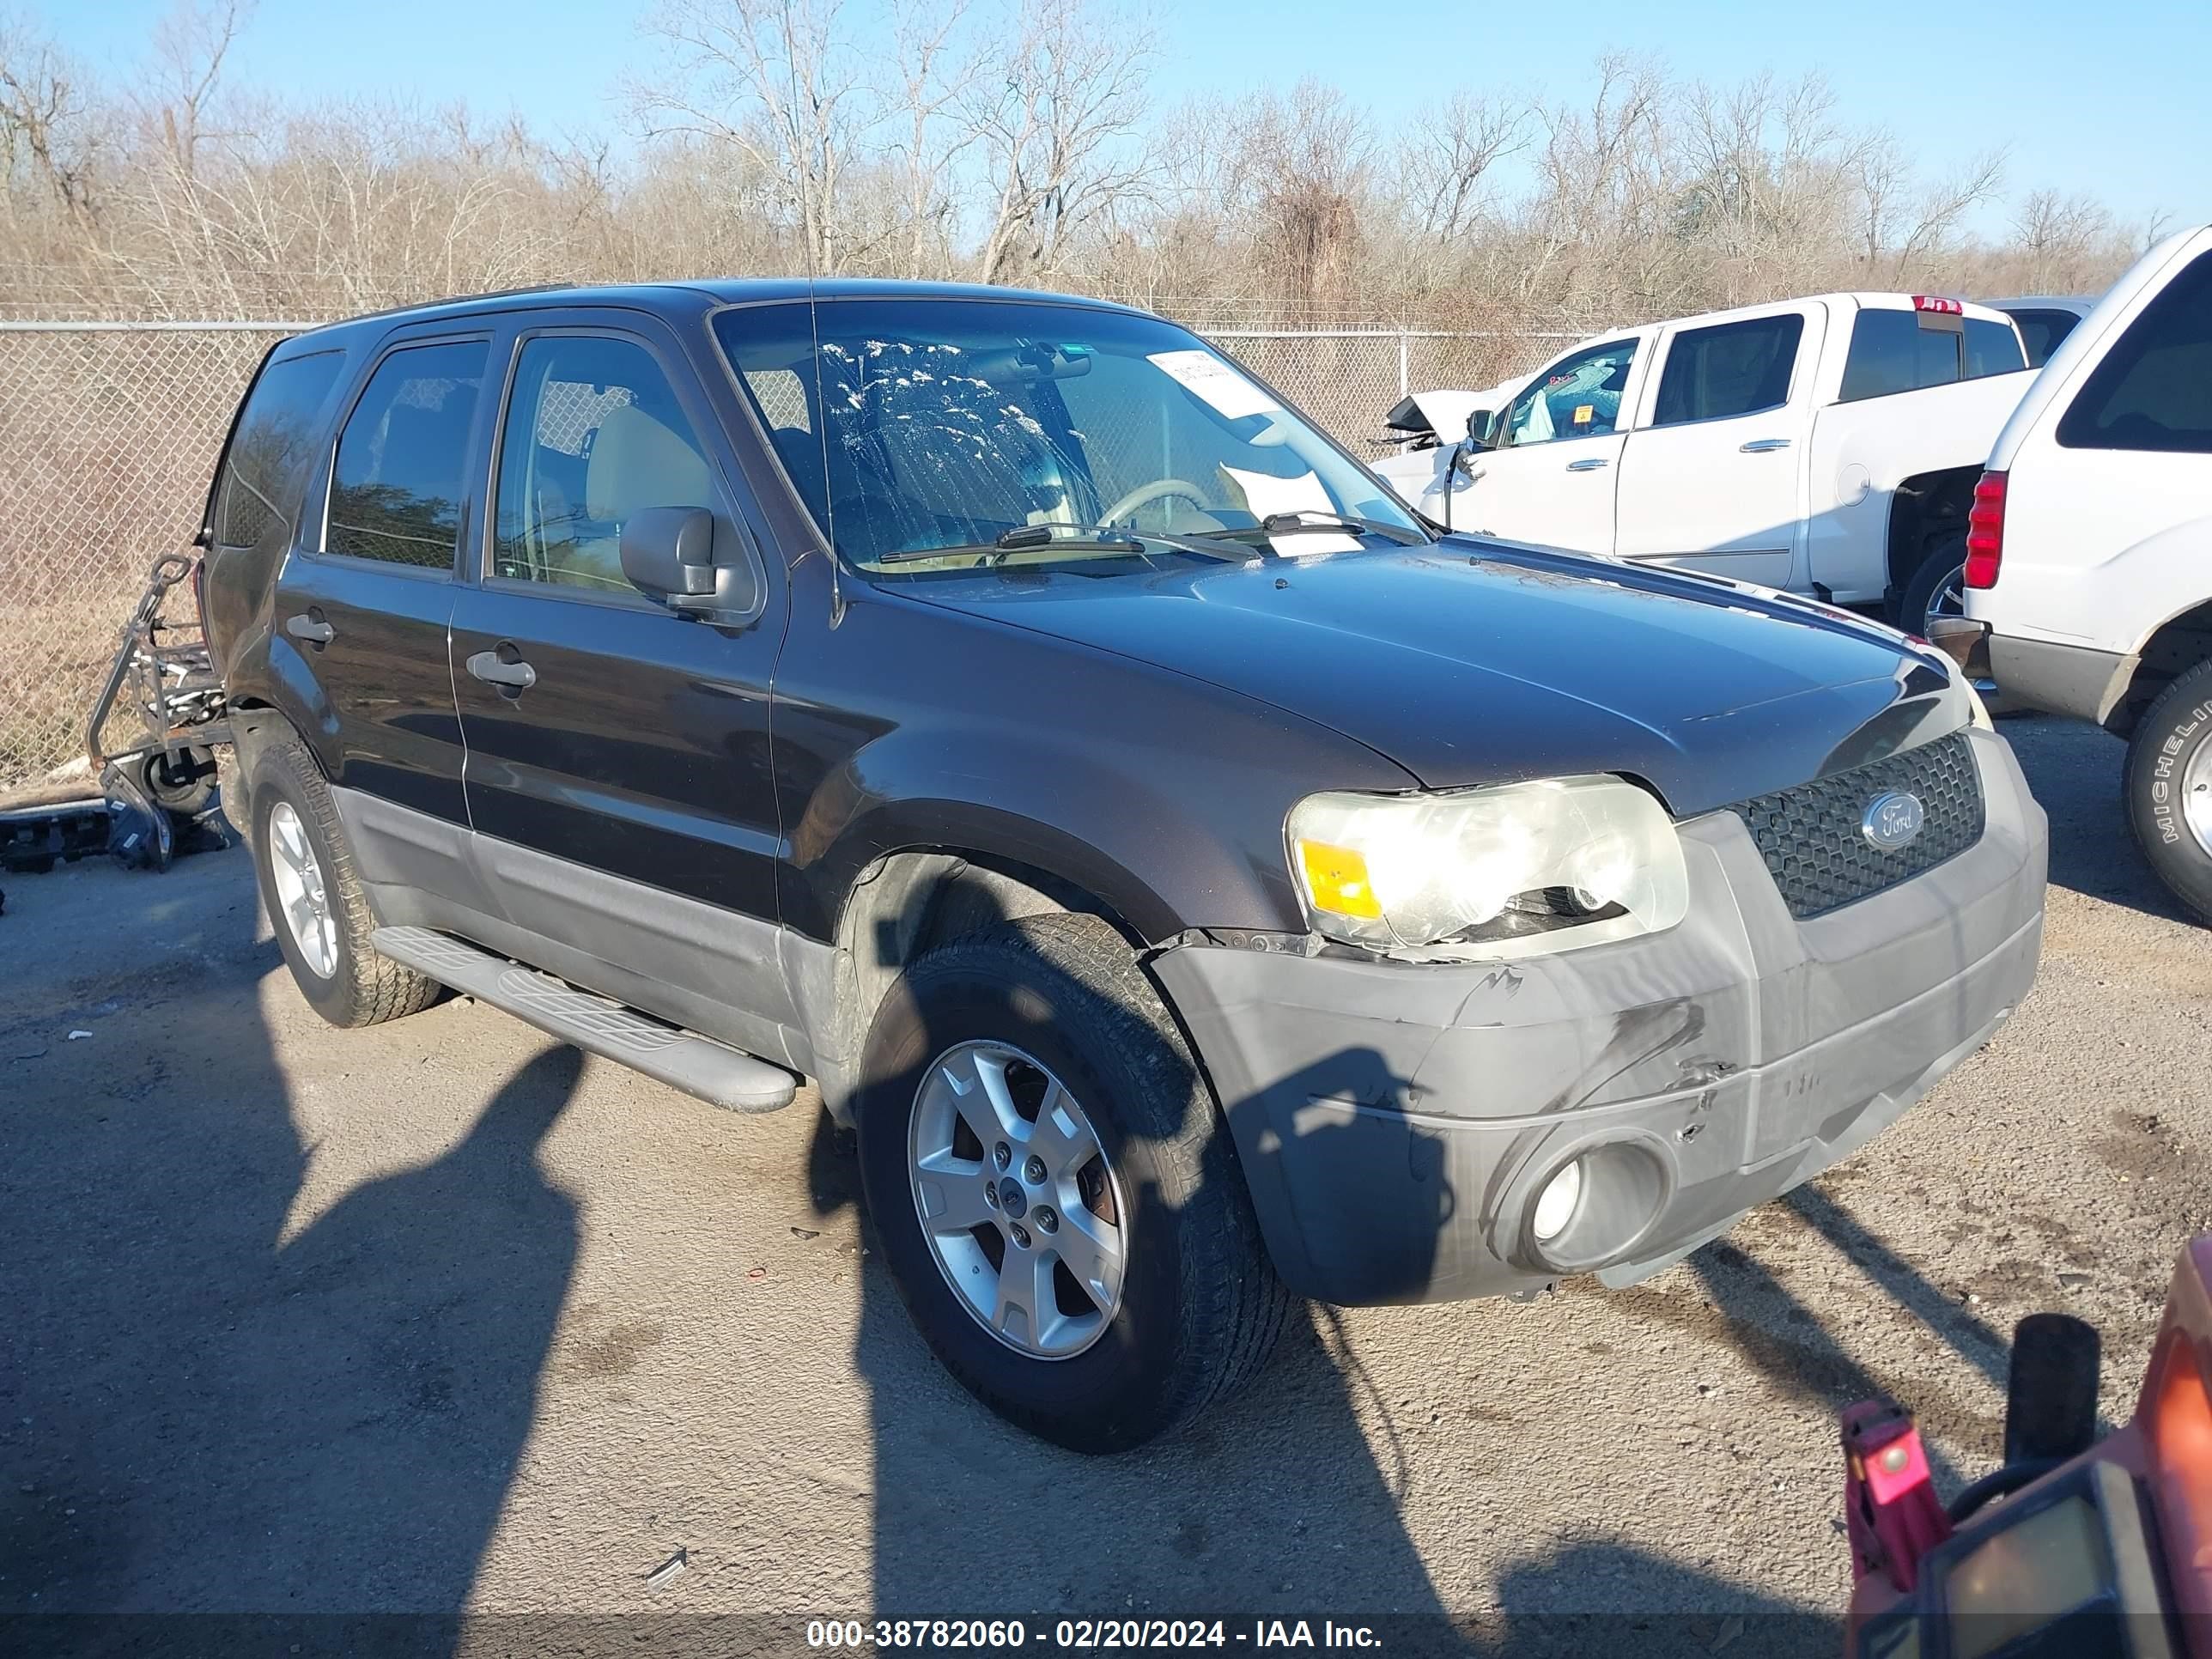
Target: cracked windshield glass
927, 436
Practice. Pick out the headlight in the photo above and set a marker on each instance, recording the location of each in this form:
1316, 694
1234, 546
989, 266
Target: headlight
1509, 871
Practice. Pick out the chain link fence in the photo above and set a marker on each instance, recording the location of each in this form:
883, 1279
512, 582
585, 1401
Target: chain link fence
109, 433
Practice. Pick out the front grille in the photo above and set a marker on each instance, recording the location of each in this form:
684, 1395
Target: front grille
1815, 848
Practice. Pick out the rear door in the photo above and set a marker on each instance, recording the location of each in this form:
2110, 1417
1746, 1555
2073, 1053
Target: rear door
360, 614
2108, 509
1552, 478
1711, 478
621, 788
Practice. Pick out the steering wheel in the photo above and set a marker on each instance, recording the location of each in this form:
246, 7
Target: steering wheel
1144, 494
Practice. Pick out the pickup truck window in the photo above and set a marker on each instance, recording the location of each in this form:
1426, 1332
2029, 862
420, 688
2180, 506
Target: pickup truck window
593, 433
1730, 369
952, 425
396, 489
270, 448
2043, 332
1894, 351
2153, 389
1578, 397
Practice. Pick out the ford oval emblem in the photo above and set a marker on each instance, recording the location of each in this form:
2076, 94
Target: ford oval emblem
1891, 821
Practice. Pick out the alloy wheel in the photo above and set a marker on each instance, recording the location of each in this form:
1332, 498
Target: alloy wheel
302, 896
1018, 1201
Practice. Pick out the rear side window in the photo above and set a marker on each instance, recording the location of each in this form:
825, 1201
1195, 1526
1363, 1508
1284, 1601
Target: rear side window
1894, 351
1730, 368
396, 489
258, 494
2044, 332
2153, 389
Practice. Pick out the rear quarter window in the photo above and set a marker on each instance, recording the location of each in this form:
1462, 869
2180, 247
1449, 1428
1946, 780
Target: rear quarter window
2153, 389
256, 492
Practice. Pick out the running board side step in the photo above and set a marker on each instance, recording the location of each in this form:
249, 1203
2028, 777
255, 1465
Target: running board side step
714, 1072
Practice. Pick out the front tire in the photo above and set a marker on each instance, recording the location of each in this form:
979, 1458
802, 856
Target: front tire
314, 898
2168, 787
1034, 1058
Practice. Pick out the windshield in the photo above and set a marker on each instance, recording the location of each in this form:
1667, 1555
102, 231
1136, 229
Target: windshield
921, 431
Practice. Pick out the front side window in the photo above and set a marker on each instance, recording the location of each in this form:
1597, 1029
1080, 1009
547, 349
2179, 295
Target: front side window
593, 433
936, 435
262, 469
2153, 389
396, 489
1578, 397
1730, 368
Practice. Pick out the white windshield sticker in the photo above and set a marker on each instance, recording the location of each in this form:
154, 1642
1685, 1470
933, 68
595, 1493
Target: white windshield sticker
1217, 382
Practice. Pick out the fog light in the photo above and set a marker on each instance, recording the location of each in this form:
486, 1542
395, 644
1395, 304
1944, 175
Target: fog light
1556, 1208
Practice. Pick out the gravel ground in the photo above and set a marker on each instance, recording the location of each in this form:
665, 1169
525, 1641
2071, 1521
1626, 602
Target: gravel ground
442, 1316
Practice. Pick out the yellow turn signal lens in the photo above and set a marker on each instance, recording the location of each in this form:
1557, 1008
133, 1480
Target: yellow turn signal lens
1336, 880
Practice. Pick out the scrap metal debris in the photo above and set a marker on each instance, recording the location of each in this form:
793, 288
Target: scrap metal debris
673, 1566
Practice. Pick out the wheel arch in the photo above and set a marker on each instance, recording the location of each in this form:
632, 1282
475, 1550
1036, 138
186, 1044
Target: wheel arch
1922, 508
905, 903
2174, 646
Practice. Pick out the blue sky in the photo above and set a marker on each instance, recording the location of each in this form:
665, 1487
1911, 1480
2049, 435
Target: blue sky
2099, 100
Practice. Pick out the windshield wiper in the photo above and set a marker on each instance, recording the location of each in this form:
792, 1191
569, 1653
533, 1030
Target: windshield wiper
1307, 517
1059, 537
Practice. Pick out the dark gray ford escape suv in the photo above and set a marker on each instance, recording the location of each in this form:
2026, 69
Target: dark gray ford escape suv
1200, 885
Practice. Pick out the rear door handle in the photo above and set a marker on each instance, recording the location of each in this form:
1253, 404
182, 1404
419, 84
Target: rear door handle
1762, 446
311, 628
1591, 465
510, 673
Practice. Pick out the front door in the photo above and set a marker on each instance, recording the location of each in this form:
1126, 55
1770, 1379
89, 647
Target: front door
1552, 478
1712, 479
361, 607
618, 771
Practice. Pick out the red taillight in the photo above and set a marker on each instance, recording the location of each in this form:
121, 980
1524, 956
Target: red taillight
1985, 531
1936, 302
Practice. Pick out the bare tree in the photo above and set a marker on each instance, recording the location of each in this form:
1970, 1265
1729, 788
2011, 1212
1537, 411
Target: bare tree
769, 78
190, 43
45, 117
1050, 115
1448, 170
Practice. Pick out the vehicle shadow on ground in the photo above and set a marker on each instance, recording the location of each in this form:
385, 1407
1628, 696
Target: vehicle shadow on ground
204, 1405
2074, 769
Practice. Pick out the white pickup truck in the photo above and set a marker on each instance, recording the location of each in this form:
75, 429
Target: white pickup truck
1827, 446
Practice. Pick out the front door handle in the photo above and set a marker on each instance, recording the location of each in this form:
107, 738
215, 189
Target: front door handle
310, 627
1590, 465
1762, 445
505, 669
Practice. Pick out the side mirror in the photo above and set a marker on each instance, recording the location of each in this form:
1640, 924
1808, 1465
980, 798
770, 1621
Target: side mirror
669, 552
1482, 429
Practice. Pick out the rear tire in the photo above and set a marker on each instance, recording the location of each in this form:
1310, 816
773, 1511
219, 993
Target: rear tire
2168, 787
1941, 578
1199, 1307
314, 898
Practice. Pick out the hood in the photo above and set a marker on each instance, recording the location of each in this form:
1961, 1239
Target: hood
1469, 662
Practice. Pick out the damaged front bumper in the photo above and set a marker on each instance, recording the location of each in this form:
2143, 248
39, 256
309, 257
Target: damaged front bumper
1397, 1122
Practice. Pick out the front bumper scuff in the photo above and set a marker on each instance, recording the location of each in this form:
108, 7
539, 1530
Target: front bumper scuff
1395, 1121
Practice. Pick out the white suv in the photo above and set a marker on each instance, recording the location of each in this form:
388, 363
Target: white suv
2089, 547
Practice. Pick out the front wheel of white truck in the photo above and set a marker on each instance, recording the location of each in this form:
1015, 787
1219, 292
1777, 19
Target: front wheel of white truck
1054, 1191
2168, 787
